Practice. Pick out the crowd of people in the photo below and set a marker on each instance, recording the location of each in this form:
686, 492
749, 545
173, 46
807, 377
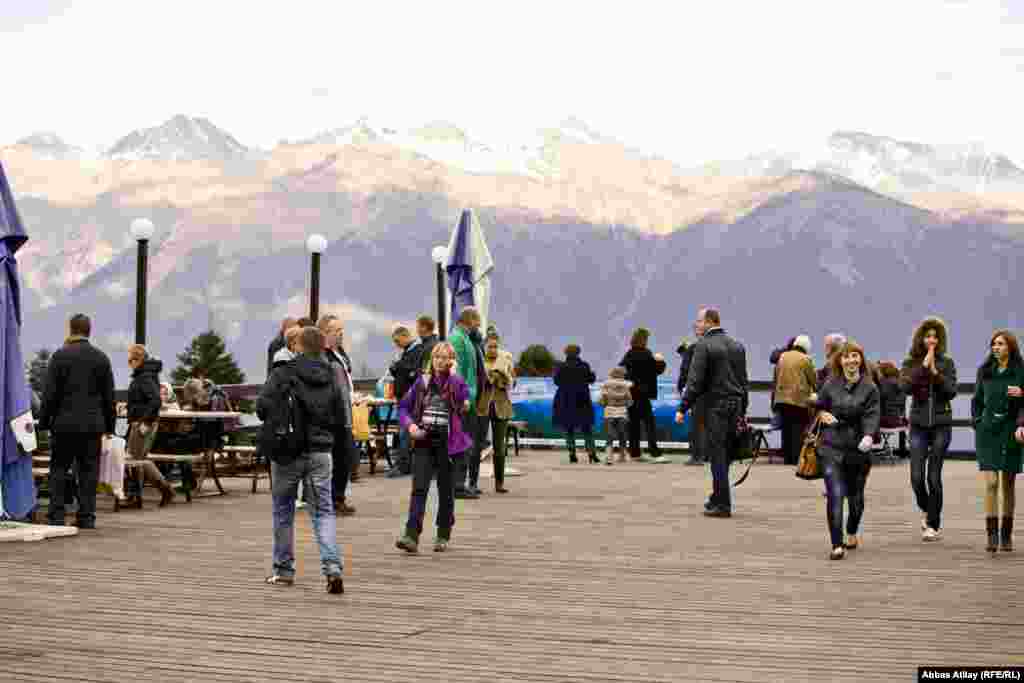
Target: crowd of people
452, 393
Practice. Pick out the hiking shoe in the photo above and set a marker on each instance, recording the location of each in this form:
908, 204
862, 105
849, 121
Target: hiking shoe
335, 585
408, 543
278, 580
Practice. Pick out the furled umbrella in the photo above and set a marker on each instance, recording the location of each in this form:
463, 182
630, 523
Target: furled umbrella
469, 268
17, 489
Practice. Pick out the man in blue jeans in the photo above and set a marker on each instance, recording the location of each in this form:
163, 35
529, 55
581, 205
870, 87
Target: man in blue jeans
318, 401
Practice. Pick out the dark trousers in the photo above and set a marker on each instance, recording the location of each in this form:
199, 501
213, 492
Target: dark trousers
844, 480
467, 467
641, 414
343, 457
82, 451
430, 459
719, 434
588, 440
697, 432
928, 446
795, 421
499, 428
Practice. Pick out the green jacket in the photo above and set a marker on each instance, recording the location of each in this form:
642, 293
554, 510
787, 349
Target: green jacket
465, 359
996, 417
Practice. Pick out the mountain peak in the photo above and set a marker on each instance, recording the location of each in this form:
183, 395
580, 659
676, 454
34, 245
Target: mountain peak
180, 138
49, 145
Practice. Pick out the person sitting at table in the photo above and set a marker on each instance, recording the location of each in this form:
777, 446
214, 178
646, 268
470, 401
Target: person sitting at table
144, 405
168, 399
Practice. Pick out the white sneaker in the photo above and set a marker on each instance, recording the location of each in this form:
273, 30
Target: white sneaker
931, 535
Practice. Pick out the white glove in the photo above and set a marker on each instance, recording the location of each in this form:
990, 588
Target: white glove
865, 444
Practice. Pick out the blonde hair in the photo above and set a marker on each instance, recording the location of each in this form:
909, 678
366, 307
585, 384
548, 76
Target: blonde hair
291, 335
136, 352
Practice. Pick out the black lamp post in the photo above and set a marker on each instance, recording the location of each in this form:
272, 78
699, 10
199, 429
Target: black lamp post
316, 245
440, 255
142, 230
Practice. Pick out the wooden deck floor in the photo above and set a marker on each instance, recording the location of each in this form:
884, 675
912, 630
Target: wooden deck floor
582, 573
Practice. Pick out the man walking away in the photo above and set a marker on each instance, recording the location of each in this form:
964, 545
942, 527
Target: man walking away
405, 371
311, 382
685, 350
425, 330
277, 343
78, 409
718, 376
344, 453
469, 363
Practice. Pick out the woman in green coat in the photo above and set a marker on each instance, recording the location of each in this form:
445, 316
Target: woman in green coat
997, 410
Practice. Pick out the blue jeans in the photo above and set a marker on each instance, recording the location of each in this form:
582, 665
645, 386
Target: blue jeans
314, 471
928, 446
844, 480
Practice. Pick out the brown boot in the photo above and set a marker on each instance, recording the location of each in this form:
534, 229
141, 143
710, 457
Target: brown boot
1006, 535
166, 493
992, 529
344, 509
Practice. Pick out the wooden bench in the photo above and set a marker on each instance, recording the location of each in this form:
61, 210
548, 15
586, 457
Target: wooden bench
208, 467
250, 456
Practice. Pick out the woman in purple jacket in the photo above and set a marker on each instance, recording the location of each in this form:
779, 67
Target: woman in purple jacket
432, 413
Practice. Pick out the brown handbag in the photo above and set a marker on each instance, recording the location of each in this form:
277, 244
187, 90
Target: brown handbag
808, 466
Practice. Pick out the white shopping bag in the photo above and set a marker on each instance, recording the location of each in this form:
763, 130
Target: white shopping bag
112, 460
24, 428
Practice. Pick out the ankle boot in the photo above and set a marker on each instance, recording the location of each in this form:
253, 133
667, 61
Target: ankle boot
572, 454
992, 527
167, 493
1006, 535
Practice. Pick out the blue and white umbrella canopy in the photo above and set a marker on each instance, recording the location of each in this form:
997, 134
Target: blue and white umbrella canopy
17, 490
469, 267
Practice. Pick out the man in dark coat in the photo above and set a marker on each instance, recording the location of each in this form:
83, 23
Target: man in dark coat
572, 408
405, 371
685, 352
78, 410
718, 376
425, 327
278, 343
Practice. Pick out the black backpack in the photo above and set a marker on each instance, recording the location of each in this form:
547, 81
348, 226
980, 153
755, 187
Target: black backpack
283, 438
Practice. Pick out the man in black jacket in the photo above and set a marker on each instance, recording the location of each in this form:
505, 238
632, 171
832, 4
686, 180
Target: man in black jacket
718, 376
78, 410
405, 370
312, 383
278, 343
425, 327
685, 352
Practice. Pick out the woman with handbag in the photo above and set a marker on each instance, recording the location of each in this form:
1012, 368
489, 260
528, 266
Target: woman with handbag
144, 417
997, 411
849, 409
494, 403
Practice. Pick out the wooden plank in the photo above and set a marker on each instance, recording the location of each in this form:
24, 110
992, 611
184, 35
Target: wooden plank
582, 573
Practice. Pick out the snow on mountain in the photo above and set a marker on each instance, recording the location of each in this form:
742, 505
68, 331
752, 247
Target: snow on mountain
48, 145
181, 138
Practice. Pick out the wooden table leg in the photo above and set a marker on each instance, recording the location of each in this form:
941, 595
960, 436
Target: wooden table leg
212, 464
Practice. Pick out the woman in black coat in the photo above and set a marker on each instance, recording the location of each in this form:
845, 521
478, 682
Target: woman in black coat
144, 416
573, 408
849, 409
642, 369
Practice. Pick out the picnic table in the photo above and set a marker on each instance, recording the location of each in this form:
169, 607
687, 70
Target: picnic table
209, 449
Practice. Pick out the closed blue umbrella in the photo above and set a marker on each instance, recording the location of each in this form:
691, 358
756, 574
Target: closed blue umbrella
17, 489
469, 268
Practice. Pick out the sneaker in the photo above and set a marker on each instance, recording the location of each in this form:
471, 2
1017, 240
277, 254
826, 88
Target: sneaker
931, 534
335, 585
278, 580
852, 542
838, 553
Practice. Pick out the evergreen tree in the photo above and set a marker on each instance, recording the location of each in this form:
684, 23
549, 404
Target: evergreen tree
536, 361
208, 353
37, 370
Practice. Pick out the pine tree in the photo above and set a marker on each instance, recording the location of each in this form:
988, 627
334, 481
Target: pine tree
37, 370
536, 361
208, 353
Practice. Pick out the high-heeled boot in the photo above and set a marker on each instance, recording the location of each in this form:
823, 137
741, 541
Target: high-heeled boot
166, 493
992, 527
1006, 535
499, 474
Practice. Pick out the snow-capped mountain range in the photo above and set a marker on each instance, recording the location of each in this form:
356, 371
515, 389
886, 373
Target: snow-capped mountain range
881, 163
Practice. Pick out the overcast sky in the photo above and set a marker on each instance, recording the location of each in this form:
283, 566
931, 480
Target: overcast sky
690, 81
